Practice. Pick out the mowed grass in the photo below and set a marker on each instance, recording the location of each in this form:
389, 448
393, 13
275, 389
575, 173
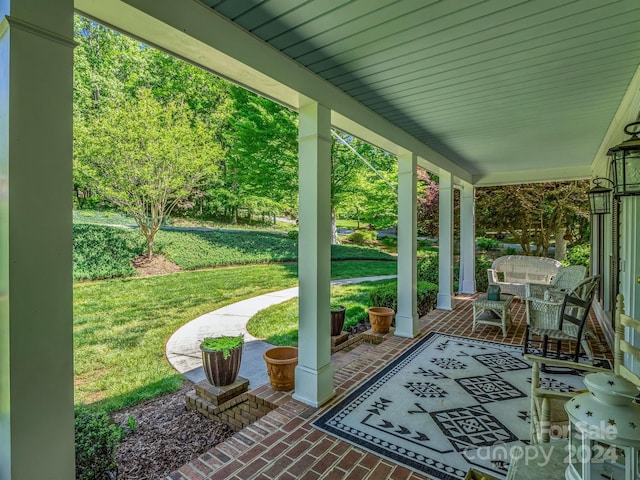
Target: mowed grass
121, 325
106, 252
278, 324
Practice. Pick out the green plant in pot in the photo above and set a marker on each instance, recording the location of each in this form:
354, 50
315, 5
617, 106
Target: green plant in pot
337, 318
221, 357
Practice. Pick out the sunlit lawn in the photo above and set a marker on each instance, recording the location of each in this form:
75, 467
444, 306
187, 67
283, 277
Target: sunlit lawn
121, 326
278, 324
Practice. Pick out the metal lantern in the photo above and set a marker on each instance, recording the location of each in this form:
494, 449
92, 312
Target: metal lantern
604, 430
600, 197
625, 159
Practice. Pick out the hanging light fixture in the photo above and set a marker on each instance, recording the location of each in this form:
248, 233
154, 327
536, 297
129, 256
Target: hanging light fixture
625, 160
600, 197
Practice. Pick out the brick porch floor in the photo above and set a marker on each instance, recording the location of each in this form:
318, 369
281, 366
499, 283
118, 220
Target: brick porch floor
283, 445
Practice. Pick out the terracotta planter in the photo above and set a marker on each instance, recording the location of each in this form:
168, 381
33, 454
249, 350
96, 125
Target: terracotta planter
337, 320
221, 371
380, 319
281, 365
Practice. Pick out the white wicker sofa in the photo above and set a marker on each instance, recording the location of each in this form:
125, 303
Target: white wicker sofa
512, 272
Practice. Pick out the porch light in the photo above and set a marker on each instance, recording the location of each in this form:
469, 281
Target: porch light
599, 197
625, 159
603, 430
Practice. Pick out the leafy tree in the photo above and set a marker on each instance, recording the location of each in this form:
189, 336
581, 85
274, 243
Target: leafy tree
532, 213
145, 157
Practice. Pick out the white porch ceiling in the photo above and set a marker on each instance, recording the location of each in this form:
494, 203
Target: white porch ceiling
507, 91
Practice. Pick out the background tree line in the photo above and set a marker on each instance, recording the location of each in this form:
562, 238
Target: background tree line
156, 136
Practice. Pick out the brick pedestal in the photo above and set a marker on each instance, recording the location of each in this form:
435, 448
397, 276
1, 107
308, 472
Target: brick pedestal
219, 395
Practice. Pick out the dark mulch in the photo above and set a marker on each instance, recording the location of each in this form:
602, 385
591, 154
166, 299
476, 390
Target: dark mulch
166, 436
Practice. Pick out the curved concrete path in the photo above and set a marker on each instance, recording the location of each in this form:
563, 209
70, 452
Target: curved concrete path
183, 348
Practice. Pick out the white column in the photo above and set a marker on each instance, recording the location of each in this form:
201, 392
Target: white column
445, 243
36, 310
407, 314
314, 373
467, 240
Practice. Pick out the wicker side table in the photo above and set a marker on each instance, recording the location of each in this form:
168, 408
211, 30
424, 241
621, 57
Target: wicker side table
493, 312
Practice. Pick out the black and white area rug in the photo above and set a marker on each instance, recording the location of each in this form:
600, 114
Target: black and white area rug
446, 405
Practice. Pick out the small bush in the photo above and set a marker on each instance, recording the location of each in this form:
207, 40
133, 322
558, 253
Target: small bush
97, 441
389, 241
362, 237
428, 271
485, 244
293, 234
482, 279
354, 315
386, 295
579, 255
510, 251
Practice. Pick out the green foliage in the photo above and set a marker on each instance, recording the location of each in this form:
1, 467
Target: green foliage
387, 296
104, 252
389, 241
510, 251
482, 279
293, 234
485, 244
278, 324
579, 255
362, 237
97, 441
222, 344
145, 157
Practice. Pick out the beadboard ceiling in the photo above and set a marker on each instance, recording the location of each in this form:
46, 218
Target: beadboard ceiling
498, 87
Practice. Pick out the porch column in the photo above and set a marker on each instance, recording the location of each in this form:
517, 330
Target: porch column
407, 314
445, 243
467, 240
314, 373
36, 310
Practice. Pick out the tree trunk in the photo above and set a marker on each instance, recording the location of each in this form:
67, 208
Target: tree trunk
561, 246
334, 229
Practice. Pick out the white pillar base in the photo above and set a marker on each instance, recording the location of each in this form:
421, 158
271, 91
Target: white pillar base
314, 387
406, 326
445, 302
468, 287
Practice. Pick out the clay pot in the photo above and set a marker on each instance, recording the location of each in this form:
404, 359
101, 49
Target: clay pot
281, 366
221, 371
380, 319
337, 319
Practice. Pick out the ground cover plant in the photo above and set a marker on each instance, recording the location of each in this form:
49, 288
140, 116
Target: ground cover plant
123, 324
106, 252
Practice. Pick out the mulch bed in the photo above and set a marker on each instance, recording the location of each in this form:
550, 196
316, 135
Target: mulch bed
166, 436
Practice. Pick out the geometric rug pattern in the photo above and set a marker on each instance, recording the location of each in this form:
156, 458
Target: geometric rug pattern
446, 405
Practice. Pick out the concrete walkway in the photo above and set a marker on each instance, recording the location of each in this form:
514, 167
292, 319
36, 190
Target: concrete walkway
183, 348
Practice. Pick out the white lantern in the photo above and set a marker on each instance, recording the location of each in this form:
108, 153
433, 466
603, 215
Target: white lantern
604, 436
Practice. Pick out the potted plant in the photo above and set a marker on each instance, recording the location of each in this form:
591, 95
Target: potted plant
337, 319
281, 367
221, 358
380, 319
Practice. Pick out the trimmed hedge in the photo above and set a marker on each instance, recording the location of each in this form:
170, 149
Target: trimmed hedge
97, 442
386, 295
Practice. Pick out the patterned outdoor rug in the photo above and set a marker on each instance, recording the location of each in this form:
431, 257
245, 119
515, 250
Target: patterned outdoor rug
446, 405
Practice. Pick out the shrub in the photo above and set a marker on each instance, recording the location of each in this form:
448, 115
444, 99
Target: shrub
389, 241
97, 441
485, 244
362, 237
293, 234
386, 295
579, 255
510, 251
482, 279
354, 315
428, 271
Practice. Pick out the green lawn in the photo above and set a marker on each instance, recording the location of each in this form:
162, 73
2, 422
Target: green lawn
278, 324
121, 325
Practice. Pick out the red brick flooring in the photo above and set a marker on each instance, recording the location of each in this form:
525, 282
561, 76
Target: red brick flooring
283, 445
